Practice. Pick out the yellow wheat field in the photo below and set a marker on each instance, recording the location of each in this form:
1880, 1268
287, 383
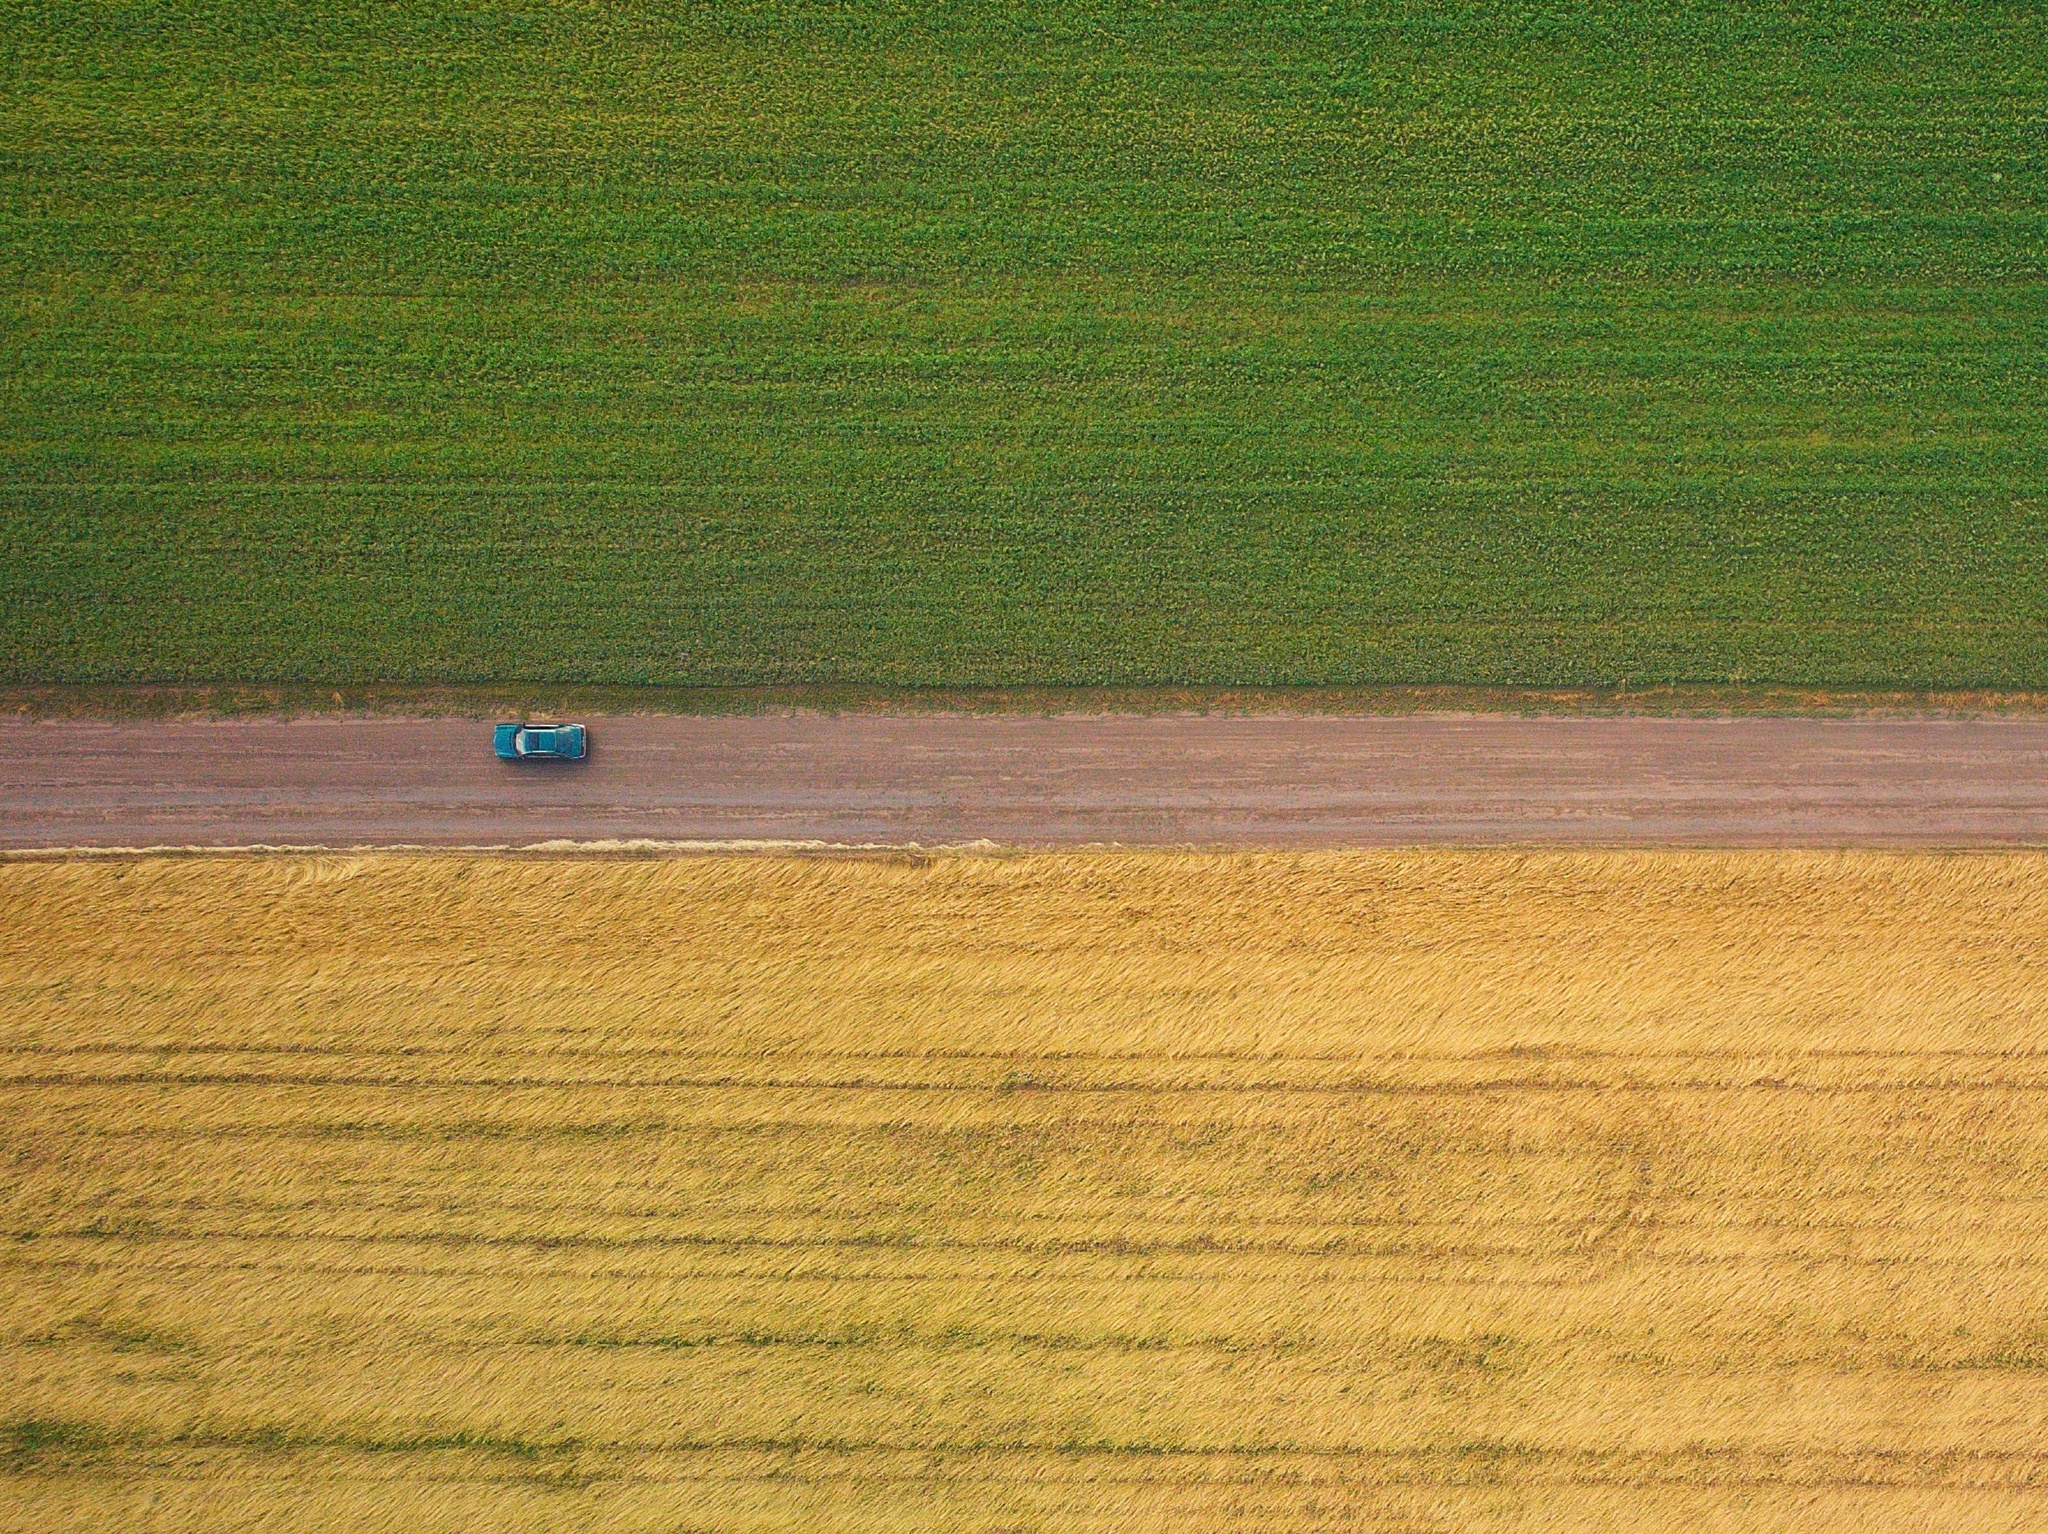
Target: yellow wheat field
1150, 1191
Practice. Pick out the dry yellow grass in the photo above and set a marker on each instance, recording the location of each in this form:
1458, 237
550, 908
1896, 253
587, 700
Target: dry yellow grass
1415, 1191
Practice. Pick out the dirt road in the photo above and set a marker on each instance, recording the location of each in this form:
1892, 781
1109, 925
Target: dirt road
1276, 780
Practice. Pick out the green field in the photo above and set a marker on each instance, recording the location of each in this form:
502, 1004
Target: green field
989, 344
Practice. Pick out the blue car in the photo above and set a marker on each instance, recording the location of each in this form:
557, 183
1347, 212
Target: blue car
543, 742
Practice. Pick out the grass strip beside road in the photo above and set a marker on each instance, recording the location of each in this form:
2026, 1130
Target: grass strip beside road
540, 701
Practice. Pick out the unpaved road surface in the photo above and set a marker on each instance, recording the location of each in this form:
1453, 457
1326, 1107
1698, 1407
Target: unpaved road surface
1273, 780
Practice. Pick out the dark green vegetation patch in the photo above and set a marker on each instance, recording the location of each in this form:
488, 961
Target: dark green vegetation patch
1057, 344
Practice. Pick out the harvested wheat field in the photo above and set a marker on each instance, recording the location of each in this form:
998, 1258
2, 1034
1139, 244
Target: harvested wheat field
1406, 1191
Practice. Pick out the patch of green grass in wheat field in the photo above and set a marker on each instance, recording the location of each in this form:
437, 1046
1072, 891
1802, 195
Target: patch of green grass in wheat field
969, 344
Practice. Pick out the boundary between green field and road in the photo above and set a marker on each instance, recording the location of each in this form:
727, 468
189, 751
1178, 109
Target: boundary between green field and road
258, 700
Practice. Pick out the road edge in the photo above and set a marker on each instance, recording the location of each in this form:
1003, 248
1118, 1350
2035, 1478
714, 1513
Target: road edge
265, 700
